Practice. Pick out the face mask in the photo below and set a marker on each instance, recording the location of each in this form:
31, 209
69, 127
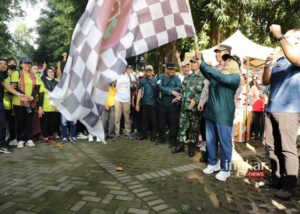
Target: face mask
12, 67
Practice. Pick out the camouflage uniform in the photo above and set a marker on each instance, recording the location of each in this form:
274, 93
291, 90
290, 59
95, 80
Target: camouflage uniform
189, 122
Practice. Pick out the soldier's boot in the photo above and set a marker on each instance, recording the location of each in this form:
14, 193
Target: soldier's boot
178, 148
192, 149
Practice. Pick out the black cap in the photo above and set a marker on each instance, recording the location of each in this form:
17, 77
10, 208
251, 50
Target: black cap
194, 60
170, 65
3, 59
234, 57
223, 48
27, 60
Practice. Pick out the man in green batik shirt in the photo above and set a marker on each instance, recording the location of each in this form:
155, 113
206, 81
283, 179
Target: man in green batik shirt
190, 117
169, 87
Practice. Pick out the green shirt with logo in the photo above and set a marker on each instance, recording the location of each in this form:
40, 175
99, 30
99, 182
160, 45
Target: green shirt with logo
148, 87
166, 84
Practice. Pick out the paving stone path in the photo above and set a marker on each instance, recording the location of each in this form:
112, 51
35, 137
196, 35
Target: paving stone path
82, 178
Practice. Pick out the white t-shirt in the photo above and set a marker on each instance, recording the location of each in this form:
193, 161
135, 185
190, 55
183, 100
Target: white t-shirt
181, 76
123, 88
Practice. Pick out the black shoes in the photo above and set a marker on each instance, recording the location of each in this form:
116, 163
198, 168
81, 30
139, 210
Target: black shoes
204, 157
288, 189
192, 150
284, 195
142, 138
160, 141
270, 183
152, 139
178, 148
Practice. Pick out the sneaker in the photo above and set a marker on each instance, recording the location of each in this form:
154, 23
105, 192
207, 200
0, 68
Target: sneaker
74, 140
55, 135
13, 142
64, 140
91, 139
52, 139
101, 141
30, 143
116, 138
81, 136
211, 169
222, 175
129, 137
4, 150
20, 144
46, 141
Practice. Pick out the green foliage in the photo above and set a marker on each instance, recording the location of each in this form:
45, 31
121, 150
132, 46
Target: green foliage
214, 21
55, 28
8, 10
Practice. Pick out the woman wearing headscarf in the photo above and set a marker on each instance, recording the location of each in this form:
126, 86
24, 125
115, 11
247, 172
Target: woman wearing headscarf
46, 110
219, 113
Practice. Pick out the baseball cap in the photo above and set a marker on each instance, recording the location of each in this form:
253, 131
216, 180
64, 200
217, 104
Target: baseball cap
148, 67
194, 60
234, 57
129, 66
170, 65
3, 59
185, 62
223, 48
27, 60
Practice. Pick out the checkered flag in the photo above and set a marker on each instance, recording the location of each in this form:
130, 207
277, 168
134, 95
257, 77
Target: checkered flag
107, 33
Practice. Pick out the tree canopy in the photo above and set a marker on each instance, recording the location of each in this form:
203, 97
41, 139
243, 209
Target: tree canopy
214, 21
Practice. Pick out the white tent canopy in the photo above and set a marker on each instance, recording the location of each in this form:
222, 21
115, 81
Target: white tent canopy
242, 47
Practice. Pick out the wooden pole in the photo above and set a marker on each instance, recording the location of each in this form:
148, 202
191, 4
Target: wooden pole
247, 100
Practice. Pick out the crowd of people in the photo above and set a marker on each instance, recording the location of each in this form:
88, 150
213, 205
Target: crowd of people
194, 109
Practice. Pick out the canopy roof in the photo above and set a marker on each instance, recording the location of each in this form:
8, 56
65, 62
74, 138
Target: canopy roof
242, 47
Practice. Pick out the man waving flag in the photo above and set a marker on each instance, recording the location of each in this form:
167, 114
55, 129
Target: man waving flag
107, 33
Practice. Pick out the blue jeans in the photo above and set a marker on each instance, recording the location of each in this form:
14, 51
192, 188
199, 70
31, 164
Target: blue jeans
64, 128
219, 133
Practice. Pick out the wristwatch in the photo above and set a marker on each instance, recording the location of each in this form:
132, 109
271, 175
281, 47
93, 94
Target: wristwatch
266, 65
280, 38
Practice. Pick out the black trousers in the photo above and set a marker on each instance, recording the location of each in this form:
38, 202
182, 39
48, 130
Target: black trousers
24, 121
11, 124
149, 116
81, 128
202, 129
136, 120
2, 125
257, 126
48, 124
168, 115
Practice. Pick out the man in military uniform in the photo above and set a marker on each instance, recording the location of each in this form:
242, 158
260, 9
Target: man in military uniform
147, 98
169, 87
190, 117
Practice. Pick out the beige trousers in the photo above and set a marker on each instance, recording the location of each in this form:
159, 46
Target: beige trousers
122, 108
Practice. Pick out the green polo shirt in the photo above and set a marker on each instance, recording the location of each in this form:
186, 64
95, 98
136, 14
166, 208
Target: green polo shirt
148, 86
166, 85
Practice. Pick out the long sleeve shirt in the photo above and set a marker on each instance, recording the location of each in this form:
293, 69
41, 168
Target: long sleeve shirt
166, 85
221, 106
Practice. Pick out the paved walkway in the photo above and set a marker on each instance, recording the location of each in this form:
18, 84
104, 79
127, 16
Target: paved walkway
82, 179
